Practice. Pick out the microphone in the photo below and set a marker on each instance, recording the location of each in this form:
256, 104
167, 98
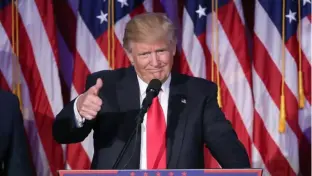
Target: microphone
152, 91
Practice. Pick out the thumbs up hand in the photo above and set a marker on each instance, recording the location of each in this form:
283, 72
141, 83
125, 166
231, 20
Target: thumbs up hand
89, 103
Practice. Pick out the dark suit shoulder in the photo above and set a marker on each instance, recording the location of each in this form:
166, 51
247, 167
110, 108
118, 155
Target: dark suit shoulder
108, 76
198, 85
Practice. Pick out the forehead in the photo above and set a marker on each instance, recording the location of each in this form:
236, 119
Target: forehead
147, 46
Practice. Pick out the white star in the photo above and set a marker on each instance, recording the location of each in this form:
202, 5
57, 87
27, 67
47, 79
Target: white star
201, 11
102, 17
306, 1
123, 3
291, 16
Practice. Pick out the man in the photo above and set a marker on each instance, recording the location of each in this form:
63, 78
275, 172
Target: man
14, 154
182, 118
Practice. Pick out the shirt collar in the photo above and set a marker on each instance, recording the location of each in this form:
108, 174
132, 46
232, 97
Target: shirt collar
164, 87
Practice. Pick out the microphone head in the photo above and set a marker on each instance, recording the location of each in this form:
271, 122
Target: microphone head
154, 87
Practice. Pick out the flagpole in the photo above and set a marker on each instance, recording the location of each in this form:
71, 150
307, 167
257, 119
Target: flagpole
217, 56
282, 120
113, 34
300, 77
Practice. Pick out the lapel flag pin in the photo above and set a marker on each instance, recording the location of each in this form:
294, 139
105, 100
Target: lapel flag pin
183, 100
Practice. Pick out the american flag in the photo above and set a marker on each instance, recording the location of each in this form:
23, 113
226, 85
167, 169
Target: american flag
282, 48
48, 47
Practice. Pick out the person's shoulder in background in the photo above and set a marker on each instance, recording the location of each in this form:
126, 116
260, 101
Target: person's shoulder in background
8, 101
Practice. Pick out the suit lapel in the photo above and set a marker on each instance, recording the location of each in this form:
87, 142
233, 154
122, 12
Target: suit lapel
177, 117
128, 97
128, 91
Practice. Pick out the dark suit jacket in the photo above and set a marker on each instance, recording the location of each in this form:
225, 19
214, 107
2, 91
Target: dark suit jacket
190, 125
14, 151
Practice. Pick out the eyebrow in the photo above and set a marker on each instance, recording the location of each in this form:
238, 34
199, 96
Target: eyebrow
158, 50
143, 53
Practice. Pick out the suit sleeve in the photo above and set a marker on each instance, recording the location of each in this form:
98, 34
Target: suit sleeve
65, 129
220, 137
19, 161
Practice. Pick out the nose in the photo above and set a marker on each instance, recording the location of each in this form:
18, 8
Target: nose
154, 59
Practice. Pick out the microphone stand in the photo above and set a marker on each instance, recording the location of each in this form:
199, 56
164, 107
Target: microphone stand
139, 119
152, 91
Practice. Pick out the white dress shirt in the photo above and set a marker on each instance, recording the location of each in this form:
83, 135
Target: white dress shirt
163, 97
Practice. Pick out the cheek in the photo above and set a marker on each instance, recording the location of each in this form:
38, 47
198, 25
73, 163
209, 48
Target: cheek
142, 64
166, 59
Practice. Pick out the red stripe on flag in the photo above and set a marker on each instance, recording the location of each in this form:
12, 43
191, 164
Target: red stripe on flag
140, 9
41, 106
202, 41
292, 45
67, 24
157, 6
210, 161
182, 66
3, 83
80, 73
77, 157
229, 107
46, 12
121, 59
272, 78
235, 31
45, 9
310, 18
305, 147
271, 155
231, 112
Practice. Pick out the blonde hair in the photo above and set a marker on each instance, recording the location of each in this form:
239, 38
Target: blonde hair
149, 27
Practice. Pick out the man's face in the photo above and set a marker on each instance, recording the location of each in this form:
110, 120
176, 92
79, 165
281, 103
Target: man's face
152, 61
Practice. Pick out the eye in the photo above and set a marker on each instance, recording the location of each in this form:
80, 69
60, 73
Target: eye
144, 55
161, 51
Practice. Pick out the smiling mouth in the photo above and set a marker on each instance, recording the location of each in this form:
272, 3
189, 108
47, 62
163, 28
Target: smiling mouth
155, 71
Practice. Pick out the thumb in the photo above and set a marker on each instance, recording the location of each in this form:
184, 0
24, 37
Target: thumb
98, 85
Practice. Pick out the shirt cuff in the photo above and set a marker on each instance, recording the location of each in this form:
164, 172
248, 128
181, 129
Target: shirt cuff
78, 119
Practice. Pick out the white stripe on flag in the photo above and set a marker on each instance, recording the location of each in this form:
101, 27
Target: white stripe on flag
148, 5
305, 118
257, 161
306, 38
87, 143
6, 57
120, 27
6, 68
88, 48
240, 10
43, 53
194, 53
269, 114
271, 39
233, 76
